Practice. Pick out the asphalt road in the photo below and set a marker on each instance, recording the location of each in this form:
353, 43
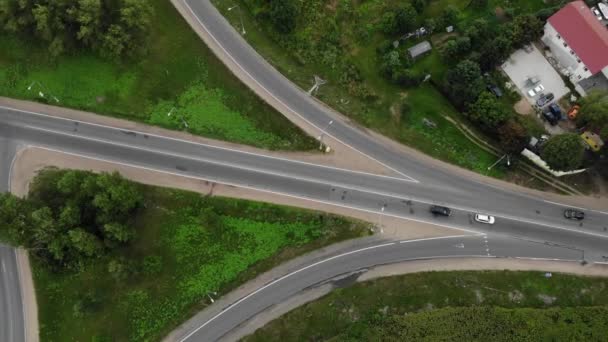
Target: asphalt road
538, 226
526, 226
11, 309
344, 268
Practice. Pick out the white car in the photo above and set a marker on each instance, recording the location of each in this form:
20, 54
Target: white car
482, 218
597, 13
536, 90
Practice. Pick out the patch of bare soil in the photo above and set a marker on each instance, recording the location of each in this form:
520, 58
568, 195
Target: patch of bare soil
523, 107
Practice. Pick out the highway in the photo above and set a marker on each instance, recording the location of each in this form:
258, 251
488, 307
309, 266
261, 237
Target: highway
526, 226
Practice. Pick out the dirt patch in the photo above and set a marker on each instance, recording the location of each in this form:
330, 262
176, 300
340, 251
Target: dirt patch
523, 107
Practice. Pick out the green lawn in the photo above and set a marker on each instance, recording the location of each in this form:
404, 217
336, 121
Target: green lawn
186, 246
483, 306
331, 35
179, 71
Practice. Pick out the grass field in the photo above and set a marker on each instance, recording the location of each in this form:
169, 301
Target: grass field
332, 35
484, 306
187, 247
179, 71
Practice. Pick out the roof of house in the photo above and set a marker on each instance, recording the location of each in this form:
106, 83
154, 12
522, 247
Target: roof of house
586, 35
419, 49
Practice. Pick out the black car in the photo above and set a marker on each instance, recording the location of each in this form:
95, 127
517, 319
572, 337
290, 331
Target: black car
544, 99
494, 90
573, 214
439, 210
550, 117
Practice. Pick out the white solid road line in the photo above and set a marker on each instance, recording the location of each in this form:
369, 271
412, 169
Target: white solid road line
278, 280
571, 206
294, 161
281, 102
212, 161
303, 269
10, 171
443, 237
340, 205
231, 306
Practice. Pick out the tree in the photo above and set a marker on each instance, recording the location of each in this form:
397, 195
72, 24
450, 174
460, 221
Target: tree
479, 4
455, 48
391, 62
115, 29
525, 29
449, 16
494, 52
405, 18
118, 232
594, 111
464, 82
513, 137
84, 242
488, 112
400, 20
283, 15
563, 152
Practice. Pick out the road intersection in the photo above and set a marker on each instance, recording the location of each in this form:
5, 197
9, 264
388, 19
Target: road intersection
527, 226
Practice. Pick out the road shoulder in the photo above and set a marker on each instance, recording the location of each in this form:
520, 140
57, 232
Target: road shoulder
28, 295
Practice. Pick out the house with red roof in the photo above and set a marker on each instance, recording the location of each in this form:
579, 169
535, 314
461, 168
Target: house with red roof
579, 43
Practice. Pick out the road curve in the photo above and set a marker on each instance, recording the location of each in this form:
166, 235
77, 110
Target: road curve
216, 323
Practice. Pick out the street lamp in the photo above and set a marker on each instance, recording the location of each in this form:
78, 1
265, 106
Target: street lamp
42, 87
380, 218
171, 111
211, 298
323, 134
498, 161
240, 16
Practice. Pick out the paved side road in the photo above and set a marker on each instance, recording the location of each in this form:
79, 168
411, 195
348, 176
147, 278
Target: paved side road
12, 325
219, 321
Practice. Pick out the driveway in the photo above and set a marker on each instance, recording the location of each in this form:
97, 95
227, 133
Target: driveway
522, 65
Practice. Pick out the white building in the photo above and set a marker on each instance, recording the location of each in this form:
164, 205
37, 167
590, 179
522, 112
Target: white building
579, 43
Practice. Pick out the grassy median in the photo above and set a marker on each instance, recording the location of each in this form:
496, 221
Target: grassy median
179, 75
183, 247
453, 306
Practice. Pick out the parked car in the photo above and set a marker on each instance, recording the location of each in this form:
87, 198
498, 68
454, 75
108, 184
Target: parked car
494, 90
573, 112
550, 117
597, 13
574, 214
536, 90
439, 210
543, 100
482, 218
556, 110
